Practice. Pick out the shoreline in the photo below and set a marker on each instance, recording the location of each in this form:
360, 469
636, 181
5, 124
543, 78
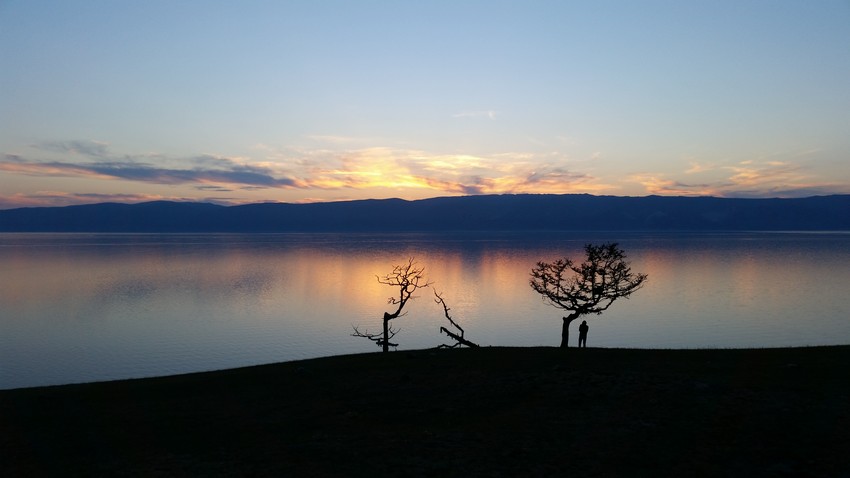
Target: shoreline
473, 412
426, 350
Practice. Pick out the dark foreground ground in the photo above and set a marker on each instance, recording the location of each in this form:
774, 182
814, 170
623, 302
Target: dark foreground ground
484, 412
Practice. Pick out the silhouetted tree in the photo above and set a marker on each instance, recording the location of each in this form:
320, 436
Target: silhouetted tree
459, 339
407, 278
587, 288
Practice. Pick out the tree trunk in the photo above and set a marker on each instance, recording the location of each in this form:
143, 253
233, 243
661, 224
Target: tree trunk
565, 330
565, 334
386, 344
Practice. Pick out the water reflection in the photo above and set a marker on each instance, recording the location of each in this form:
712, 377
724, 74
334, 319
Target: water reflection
93, 307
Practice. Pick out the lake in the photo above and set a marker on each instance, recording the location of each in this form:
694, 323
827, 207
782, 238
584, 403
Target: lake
88, 307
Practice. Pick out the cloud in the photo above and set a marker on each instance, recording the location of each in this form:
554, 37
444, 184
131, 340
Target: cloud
214, 188
507, 173
657, 184
750, 178
93, 149
788, 192
557, 175
382, 172
405, 170
217, 171
372, 172
696, 168
753, 174
473, 186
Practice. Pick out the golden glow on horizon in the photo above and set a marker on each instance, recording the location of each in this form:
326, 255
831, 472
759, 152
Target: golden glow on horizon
372, 172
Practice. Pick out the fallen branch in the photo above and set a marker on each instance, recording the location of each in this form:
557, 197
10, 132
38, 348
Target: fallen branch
459, 339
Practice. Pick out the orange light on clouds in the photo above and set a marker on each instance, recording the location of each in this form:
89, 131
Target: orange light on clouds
369, 172
385, 168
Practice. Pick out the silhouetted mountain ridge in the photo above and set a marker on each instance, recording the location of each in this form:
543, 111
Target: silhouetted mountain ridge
523, 212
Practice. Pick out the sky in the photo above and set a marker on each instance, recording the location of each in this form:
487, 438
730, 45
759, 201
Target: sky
305, 101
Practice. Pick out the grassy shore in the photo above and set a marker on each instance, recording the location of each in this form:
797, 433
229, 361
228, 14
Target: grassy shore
473, 412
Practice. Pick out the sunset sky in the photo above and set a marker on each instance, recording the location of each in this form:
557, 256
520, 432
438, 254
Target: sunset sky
302, 101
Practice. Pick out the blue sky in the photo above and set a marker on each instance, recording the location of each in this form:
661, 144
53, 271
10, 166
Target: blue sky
304, 101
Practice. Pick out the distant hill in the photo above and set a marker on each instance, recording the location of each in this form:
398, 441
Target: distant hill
524, 212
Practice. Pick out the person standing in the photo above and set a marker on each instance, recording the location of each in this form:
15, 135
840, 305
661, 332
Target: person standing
582, 334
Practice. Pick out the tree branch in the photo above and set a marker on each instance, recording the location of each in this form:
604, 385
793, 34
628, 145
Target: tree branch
377, 338
408, 278
459, 339
602, 278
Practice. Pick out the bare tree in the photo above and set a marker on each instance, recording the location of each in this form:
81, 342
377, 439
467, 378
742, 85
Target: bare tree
458, 338
587, 288
407, 278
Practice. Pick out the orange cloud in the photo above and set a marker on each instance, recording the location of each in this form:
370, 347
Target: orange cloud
372, 171
655, 184
745, 179
396, 169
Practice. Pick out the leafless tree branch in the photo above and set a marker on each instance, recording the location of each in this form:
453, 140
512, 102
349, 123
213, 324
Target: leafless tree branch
377, 338
407, 278
458, 338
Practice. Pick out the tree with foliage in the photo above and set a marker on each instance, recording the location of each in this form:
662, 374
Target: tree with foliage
407, 278
586, 288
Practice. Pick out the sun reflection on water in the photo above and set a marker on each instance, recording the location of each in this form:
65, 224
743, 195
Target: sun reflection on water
99, 307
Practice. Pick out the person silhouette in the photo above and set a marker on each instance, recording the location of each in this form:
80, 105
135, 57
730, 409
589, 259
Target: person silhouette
582, 334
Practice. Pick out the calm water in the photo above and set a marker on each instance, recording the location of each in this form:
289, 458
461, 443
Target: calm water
81, 307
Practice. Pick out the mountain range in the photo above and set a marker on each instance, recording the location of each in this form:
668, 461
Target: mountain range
522, 212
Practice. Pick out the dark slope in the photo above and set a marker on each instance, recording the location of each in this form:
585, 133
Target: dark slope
474, 213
